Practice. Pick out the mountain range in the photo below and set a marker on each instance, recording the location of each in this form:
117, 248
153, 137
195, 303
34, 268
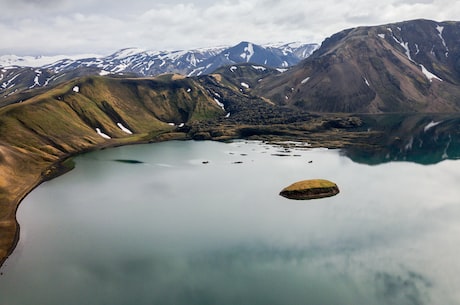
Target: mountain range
410, 66
22, 73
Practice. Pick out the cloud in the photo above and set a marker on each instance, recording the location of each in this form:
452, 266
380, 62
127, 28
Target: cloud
63, 26
408, 288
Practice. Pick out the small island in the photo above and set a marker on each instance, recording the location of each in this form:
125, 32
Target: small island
310, 189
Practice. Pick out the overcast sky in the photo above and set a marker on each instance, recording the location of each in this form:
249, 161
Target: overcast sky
55, 27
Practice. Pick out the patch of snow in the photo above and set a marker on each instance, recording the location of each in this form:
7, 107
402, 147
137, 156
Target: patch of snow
197, 71
181, 124
192, 59
440, 30
124, 129
233, 68
189, 90
445, 155
38, 73
245, 85
248, 52
76, 89
171, 124
104, 72
305, 80
429, 75
99, 132
260, 68
431, 125
390, 30
381, 36
47, 81
11, 93
228, 115
366, 81
39, 61
221, 105
409, 144
405, 45
417, 49
10, 83
281, 70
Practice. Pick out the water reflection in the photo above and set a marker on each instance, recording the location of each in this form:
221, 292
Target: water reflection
218, 233
420, 138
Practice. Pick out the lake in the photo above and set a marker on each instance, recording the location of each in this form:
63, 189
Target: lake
202, 223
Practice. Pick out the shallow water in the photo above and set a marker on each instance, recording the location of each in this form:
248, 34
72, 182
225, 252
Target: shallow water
202, 223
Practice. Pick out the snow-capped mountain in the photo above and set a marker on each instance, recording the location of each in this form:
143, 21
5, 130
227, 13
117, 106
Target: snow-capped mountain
21, 73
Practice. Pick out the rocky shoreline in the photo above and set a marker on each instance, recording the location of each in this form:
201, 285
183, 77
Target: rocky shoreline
34, 173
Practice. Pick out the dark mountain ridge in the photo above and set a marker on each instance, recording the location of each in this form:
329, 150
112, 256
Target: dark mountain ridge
411, 66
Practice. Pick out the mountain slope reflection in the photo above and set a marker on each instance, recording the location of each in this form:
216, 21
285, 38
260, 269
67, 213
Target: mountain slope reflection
424, 139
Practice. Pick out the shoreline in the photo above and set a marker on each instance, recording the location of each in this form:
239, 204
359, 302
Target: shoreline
46, 173
43, 170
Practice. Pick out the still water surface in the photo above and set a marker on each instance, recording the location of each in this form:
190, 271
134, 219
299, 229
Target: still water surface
175, 230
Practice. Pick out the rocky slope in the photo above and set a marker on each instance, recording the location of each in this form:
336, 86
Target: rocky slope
403, 67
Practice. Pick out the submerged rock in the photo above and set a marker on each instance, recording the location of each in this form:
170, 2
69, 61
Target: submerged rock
310, 189
128, 161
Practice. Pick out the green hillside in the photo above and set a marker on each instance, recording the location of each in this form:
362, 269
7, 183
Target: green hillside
87, 114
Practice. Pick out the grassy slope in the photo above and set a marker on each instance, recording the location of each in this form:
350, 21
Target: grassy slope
37, 134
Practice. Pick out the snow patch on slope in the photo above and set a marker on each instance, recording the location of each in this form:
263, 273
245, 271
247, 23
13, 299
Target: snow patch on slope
39, 61
99, 132
440, 30
431, 125
428, 74
248, 52
124, 129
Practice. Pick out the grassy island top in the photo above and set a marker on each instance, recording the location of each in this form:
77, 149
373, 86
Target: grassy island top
310, 184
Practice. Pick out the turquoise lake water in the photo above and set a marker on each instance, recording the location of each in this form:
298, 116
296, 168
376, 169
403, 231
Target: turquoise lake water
202, 223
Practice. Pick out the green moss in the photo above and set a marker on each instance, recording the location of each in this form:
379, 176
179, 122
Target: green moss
310, 184
310, 189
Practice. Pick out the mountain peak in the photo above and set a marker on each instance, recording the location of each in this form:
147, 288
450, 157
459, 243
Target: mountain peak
409, 66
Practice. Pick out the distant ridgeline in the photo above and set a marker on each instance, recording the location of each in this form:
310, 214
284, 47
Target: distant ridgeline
22, 73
